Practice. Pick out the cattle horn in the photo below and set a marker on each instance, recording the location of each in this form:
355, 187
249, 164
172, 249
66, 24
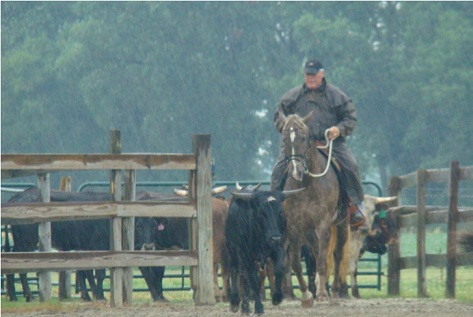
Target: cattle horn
218, 190
181, 192
242, 196
379, 200
288, 193
251, 187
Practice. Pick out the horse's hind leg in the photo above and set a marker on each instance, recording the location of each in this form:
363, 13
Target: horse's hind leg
340, 253
310, 268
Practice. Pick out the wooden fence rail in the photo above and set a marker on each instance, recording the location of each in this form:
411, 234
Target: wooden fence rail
121, 258
421, 215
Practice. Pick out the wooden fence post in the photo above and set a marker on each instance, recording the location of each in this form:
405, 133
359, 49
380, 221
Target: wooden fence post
64, 282
128, 242
193, 230
44, 234
421, 227
116, 274
202, 150
394, 251
452, 229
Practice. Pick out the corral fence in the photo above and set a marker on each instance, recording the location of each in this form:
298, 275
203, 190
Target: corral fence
374, 270
420, 215
121, 258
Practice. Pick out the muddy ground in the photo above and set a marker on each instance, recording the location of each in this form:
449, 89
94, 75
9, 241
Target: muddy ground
339, 308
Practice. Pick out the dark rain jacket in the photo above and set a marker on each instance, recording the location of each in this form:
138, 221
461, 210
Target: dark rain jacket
331, 107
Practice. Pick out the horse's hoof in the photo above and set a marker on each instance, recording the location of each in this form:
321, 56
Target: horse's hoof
322, 300
277, 298
307, 300
307, 303
161, 298
234, 309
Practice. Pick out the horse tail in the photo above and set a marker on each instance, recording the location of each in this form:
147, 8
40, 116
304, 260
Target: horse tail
331, 248
345, 264
335, 235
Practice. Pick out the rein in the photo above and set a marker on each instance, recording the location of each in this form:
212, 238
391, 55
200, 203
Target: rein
328, 144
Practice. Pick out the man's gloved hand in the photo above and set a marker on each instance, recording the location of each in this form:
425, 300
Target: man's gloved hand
333, 133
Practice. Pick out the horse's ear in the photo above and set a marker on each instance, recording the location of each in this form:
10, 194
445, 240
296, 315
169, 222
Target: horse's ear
282, 116
307, 117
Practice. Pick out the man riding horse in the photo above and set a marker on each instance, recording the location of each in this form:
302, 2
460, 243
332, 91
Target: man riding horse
332, 110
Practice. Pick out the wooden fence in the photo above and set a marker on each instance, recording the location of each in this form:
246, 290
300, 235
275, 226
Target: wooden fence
420, 215
121, 258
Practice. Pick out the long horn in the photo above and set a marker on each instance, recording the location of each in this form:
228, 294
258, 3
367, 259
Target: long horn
385, 199
251, 187
218, 190
242, 196
288, 193
181, 192
238, 186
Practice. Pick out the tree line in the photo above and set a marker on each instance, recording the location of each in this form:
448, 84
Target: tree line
162, 71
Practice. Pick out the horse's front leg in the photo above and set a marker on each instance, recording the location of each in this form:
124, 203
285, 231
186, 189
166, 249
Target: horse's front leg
307, 300
287, 288
321, 260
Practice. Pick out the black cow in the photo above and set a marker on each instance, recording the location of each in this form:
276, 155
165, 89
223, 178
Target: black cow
255, 230
76, 235
65, 236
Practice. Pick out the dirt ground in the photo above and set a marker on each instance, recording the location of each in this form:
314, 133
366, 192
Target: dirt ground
339, 308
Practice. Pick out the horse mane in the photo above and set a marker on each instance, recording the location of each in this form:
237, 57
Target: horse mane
296, 121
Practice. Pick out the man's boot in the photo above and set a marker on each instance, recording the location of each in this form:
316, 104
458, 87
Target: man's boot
357, 218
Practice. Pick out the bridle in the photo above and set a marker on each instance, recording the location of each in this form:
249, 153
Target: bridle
302, 158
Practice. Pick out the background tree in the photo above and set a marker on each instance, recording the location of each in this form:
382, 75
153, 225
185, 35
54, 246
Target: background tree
162, 71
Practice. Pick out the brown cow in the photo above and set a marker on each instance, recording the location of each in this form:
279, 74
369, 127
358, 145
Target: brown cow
219, 214
376, 229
